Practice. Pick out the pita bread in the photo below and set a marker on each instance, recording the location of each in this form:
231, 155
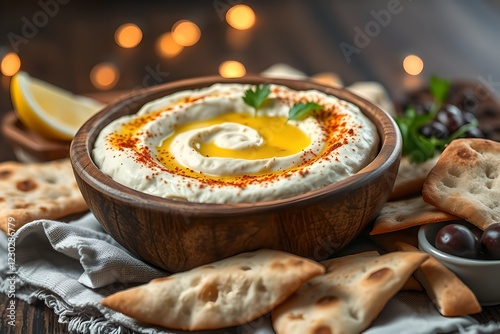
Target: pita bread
387, 241
375, 93
228, 292
466, 181
405, 213
328, 78
349, 296
30, 191
411, 177
412, 285
450, 295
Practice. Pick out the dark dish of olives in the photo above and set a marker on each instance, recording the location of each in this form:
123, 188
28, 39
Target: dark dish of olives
463, 105
457, 238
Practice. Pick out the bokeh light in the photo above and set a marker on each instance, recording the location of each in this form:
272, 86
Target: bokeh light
104, 76
128, 35
11, 64
413, 65
240, 17
186, 33
232, 69
167, 47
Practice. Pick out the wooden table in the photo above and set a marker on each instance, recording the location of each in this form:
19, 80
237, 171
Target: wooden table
40, 319
29, 318
455, 39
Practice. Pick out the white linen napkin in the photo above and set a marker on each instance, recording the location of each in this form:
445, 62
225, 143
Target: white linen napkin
72, 266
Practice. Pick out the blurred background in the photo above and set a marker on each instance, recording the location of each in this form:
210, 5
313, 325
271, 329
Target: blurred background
93, 46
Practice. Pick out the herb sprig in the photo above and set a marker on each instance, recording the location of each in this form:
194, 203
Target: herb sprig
415, 145
440, 88
256, 98
300, 109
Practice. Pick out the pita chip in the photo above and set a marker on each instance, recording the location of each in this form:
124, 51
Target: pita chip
228, 292
349, 296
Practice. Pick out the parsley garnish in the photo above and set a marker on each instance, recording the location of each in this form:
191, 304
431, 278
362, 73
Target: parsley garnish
439, 89
300, 109
256, 98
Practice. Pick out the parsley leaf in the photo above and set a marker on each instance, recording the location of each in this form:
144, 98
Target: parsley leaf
301, 108
418, 147
439, 89
256, 98
409, 125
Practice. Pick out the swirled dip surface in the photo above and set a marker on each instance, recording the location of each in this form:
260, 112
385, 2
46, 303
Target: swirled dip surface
208, 146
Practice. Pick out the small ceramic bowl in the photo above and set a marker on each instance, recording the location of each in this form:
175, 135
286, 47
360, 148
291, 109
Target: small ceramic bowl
481, 276
179, 235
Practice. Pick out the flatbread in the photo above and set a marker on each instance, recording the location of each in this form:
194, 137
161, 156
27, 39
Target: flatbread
466, 181
405, 213
375, 93
30, 191
229, 292
411, 177
412, 285
349, 296
387, 241
449, 294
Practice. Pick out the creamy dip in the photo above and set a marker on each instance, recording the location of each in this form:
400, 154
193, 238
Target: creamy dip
208, 146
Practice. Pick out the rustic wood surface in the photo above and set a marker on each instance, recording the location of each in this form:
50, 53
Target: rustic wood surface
456, 39
29, 318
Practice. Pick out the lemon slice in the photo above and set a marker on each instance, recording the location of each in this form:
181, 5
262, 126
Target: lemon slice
49, 110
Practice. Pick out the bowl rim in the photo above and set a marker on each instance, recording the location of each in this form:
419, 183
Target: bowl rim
426, 246
390, 147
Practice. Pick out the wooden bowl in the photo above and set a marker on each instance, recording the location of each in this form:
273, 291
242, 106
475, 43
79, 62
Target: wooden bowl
178, 235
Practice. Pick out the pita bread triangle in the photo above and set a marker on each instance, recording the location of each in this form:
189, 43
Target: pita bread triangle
349, 296
226, 293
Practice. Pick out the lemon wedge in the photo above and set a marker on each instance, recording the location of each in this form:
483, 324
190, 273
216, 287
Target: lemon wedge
49, 110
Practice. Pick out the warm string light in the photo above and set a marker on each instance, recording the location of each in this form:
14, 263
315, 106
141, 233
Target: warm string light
232, 69
167, 47
128, 35
413, 65
240, 17
104, 76
10, 64
186, 33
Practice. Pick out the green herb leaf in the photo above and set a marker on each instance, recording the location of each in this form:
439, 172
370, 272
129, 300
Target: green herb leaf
462, 130
425, 148
255, 98
300, 109
439, 89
